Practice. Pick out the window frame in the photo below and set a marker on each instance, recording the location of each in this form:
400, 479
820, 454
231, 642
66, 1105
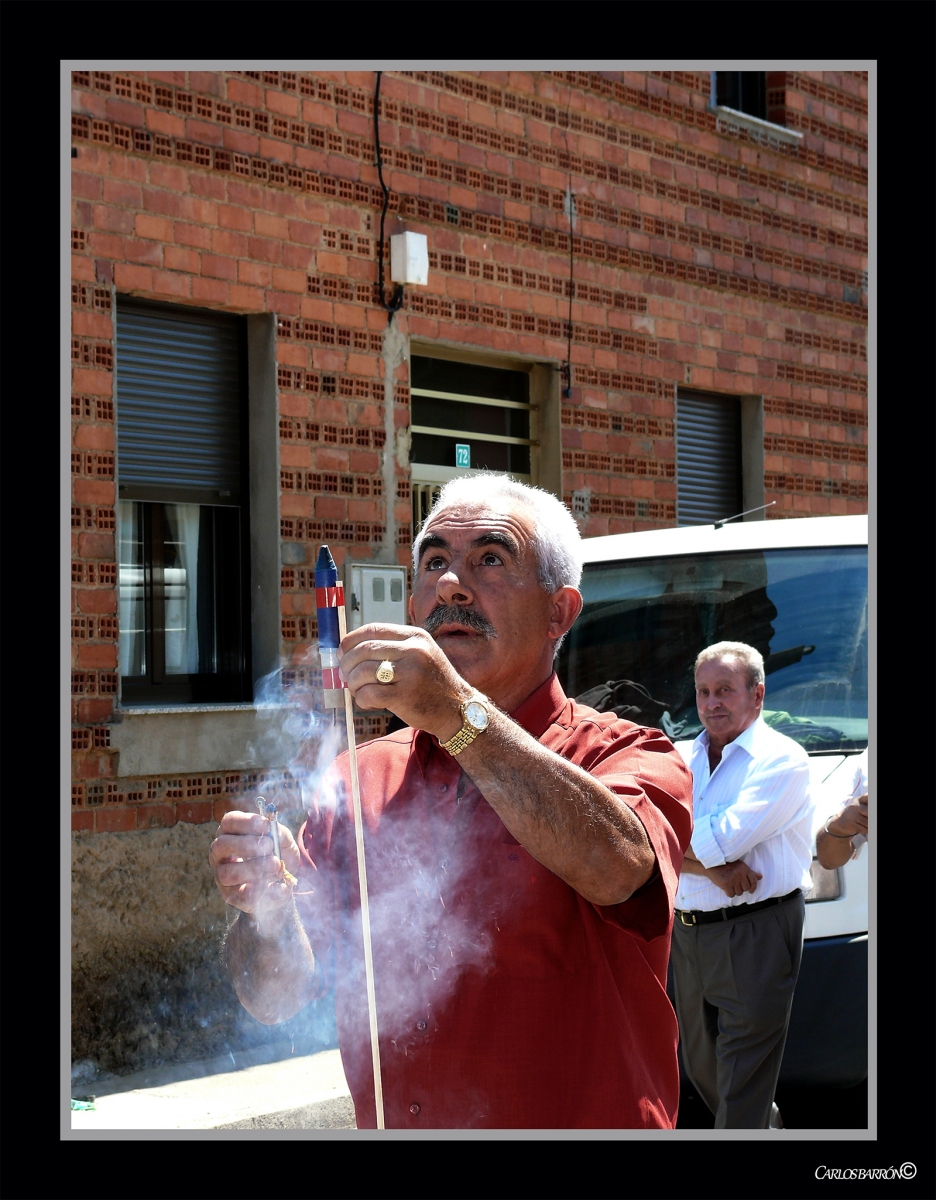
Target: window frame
229, 556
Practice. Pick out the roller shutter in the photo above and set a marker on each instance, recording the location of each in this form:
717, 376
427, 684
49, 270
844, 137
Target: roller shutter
179, 386
708, 458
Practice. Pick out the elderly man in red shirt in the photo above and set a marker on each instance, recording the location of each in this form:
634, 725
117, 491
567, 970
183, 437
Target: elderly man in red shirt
523, 853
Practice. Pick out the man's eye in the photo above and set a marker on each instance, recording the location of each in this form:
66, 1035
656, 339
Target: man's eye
434, 563
490, 559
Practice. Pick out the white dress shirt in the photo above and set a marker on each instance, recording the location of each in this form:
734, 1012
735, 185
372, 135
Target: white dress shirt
845, 786
756, 806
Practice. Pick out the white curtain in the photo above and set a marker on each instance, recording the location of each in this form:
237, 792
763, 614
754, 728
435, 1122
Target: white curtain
182, 521
132, 639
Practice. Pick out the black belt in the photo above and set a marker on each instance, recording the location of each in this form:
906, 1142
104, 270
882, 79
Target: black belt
729, 914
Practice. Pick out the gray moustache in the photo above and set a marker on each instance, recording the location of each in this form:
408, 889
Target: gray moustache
449, 614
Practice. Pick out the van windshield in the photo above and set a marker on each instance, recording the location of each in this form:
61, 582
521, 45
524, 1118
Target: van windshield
633, 647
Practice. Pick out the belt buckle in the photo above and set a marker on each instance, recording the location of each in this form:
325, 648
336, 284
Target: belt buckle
683, 915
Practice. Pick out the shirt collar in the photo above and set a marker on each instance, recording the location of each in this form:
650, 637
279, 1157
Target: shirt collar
747, 739
540, 710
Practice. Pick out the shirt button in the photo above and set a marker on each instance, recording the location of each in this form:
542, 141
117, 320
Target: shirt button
443, 787
414, 1109
422, 1025
444, 864
432, 943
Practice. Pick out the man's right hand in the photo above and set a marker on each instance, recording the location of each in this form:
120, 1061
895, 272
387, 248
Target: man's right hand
246, 872
852, 820
735, 878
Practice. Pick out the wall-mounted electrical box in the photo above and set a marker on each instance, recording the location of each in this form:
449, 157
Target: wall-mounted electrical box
409, 258
376, 594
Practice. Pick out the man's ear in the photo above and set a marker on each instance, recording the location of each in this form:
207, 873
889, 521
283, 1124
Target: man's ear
409, 609
566, 605
759, 692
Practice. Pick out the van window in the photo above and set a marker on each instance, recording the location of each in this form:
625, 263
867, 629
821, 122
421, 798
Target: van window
644, 621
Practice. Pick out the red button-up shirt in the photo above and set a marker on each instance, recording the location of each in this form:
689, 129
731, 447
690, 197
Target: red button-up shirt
504, 999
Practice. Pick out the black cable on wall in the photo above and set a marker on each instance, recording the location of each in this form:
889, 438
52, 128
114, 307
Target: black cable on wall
395, 302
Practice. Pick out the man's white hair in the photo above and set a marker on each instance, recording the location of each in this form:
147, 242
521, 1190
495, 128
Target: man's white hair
752, 660
557, 542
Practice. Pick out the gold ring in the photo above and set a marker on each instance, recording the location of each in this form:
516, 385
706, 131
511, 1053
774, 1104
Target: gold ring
385, 672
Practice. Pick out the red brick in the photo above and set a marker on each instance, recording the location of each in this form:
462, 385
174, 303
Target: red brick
330, 508
218, 267
115, 820
231, 216
207, 133
331, 264
119, 191
82, 822
194, 812
93, 711
147, 226
260, 274
93, 764
292, 505
209, 83
220, 807
94, 437
158, 200
245, 299
224, 241
82, 269
271, 226
192, 235
153, 816
289, 281
96, 656
101, 600
282, 102
132, 278
178, 258
298, 257
172, 283
91, 324
93, 491
210, 291
295, 456
275, 150
169, 176
160, 121
265, 249
241, 141
242, 91
89, 187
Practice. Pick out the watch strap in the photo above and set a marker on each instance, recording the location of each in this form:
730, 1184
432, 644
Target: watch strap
467, 734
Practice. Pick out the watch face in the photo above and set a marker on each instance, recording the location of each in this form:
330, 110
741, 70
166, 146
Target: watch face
477, 715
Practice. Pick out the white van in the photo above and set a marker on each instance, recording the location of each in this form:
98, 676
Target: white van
798, 591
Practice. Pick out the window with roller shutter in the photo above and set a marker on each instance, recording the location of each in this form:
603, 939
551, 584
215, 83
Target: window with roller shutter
182, 502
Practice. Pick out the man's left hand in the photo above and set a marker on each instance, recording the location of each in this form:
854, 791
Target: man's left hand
735, 878
426, 690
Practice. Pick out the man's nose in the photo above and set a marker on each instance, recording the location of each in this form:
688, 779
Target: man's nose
451, 588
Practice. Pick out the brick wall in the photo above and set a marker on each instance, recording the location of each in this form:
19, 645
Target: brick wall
703, 255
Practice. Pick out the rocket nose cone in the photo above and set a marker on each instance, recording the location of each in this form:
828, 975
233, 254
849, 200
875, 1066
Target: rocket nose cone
325, 562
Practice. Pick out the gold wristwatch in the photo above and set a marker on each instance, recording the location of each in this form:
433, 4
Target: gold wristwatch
476, 717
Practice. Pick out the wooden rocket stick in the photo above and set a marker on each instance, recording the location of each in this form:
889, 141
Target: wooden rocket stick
330, 595
362, 885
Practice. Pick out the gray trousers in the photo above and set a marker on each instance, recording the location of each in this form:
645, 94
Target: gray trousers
733, 984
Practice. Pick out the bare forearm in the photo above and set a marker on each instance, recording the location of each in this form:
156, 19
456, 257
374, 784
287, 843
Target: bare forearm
832, 851
692, 866
564, 817
834, 846
271, 964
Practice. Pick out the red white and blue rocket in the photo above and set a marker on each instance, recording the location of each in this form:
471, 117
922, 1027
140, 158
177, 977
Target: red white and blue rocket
329, 597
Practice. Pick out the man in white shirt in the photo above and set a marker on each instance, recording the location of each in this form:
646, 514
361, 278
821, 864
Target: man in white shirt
738, 932
842, 825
